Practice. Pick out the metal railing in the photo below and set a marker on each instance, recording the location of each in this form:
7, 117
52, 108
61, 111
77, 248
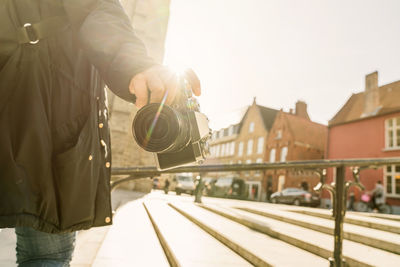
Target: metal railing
338, 190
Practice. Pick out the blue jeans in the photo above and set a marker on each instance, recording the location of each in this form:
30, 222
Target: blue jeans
39, 249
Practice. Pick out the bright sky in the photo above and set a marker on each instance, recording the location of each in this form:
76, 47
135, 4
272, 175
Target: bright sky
282, 51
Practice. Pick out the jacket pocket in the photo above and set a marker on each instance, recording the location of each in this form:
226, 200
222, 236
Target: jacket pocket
76, 179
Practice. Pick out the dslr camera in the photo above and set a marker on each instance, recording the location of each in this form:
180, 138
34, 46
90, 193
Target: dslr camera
177, 134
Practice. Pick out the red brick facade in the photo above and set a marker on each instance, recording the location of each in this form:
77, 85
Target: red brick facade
362, 139
361, 129
298, 138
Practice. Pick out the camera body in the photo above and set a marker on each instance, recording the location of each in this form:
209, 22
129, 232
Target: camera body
177, 134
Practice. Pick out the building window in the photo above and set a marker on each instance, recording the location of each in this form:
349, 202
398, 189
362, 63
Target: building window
217, 150
393, 133
222, 150
230, 130
284, 152
221, 133
232, 148
214, 135
240, 149
251, 127
278, 135
392, 175
260, 145
212, 151
250, 147
272, 155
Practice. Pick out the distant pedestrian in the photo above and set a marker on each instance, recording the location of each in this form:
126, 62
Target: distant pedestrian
378, 195
166, 186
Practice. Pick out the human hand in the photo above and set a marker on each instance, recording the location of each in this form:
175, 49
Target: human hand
161, 82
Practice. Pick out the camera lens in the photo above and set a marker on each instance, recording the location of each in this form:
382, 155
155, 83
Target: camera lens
160, 129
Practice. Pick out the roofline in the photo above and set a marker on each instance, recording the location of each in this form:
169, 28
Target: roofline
365, 118
259, 111
355, 94
307, 120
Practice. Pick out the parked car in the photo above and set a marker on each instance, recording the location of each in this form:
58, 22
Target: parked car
183, 183
229, 187
296, 196
208, 183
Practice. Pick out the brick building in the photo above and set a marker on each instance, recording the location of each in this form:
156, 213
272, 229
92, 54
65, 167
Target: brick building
368, 126
150, 20
294, 137
244, 143
269, 135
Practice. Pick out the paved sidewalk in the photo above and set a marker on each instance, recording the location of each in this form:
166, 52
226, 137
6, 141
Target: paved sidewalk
7, 248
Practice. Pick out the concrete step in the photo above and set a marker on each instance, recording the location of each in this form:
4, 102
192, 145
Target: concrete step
131, 240
190, 245
375, 238
358, 218
316, 242
391, 217
384, 222
257, 248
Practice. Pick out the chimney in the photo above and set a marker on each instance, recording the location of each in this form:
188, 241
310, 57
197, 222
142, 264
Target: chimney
371, 95
301, 110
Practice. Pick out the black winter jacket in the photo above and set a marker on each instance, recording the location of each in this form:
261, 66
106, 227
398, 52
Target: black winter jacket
55, 156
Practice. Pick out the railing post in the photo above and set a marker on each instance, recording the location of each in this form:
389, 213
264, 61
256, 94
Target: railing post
198, 192
340, 207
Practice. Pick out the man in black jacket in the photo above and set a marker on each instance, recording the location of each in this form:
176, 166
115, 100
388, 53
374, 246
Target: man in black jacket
55, 59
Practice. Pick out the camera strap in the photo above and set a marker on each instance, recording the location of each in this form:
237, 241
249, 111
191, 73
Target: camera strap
33, 33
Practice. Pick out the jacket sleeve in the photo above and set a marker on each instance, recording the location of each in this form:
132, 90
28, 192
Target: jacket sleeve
108, 39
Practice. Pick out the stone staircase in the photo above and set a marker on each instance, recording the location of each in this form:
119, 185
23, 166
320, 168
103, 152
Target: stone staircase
161, 230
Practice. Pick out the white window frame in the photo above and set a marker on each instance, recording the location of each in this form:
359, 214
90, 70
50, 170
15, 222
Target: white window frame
395, 127
240, 149
250, 147
393, 174
221, 133
230, 132
232, 150
278, 135
215, 135
223, 150
272, 155
260, 145
284, 152
217, 148
251, 127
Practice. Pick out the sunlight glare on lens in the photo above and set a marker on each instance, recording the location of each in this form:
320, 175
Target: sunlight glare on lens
153, 124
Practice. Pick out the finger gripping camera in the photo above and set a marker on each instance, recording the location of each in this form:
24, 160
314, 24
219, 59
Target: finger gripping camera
176, 134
